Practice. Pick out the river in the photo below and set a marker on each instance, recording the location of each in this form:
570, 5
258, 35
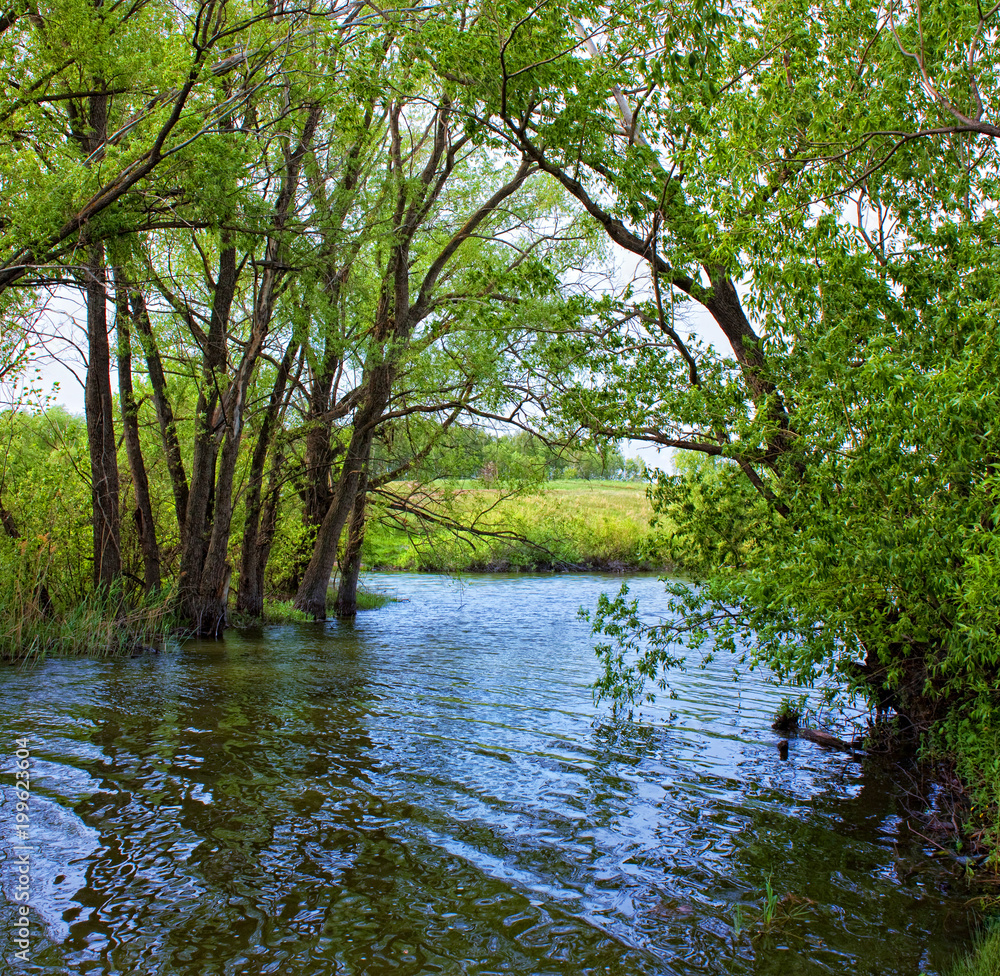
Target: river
432, 790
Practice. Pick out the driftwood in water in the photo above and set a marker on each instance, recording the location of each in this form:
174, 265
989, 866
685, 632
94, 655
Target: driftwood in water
786, 722
826, 739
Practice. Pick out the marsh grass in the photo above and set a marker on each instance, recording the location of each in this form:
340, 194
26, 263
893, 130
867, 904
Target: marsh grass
373, 599
278, 611
774, 912
984, 960
283, 612
99, 625
770, 909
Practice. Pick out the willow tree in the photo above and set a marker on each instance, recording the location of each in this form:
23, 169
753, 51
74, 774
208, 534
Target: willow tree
820, 179
419, 165
101, 111
457, 238
227, 299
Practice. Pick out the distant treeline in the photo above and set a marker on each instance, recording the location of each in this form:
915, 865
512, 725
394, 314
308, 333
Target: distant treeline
472, 453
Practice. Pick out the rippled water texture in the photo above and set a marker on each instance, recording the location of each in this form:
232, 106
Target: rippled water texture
431, 790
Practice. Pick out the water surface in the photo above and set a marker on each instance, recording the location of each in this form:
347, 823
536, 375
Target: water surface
432, 790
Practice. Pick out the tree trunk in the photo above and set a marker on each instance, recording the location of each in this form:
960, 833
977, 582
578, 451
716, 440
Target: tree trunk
133, 449
205, 582
319, 459
314, 487
269, 513
311, 596
203, 466
257, 552
161, 403
100, 425
210, 609
90, 129
250, 595
346, 604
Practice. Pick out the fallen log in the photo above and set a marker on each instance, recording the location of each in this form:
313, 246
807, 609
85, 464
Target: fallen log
825, 739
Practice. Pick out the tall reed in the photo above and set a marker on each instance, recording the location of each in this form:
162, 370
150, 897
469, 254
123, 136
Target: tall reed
34, 624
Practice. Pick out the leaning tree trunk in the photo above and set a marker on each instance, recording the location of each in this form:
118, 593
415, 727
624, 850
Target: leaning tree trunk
311, 596
253, 555
346, 604
161, 404
202, 486
133, 449
205, 586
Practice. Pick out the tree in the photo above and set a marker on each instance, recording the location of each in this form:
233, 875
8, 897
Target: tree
297, 231
723, 149
443, 202
100, 99
91, 157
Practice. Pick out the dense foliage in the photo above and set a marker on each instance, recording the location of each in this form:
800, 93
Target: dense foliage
821, 180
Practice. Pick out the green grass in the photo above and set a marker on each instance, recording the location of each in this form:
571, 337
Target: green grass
569, 525
984, 960
285, 612
100, 625
373, 599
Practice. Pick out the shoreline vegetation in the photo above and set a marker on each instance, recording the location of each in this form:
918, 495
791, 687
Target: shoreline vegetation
984, 959
563, 526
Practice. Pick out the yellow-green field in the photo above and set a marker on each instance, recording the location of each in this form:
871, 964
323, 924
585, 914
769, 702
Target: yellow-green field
569, 524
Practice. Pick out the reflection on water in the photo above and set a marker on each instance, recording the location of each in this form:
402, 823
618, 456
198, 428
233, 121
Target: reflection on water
431, 790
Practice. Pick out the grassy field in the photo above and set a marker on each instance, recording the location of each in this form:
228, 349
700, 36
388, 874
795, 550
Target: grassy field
568, 525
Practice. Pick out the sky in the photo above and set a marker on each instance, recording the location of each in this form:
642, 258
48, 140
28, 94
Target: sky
62, 364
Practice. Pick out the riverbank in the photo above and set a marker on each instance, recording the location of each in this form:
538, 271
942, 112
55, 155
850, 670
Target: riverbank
567, 525
98, 626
